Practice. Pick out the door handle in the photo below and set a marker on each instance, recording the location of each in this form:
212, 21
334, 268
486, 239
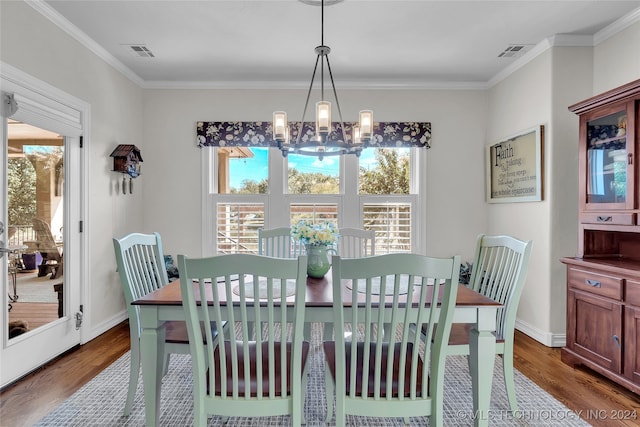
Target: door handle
3, 250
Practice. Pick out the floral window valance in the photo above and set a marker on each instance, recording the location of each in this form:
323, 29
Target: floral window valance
259, 134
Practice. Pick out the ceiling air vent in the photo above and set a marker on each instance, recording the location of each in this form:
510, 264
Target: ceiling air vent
514, 50
139, 50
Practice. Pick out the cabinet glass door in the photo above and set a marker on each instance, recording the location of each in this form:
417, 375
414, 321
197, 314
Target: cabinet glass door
607, 159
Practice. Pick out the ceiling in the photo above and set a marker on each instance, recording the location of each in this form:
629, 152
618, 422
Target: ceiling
383, 43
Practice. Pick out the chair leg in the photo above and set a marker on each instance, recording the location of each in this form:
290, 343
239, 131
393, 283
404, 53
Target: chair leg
341, 416
165, 366
305, 381
329, 393
200, 419
509, 382
134, 373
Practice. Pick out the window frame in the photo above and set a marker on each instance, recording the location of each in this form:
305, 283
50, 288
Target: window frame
350, 202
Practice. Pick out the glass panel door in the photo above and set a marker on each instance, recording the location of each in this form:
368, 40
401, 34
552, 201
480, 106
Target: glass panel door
607, 161
35, 218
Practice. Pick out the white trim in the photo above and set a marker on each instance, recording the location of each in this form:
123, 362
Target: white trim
538, 49
617, 26
344, 85
209, 181
57, 19
106, 325
64, 24
548, 339
60, 112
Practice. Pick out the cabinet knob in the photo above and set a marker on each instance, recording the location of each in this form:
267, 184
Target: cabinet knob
604, 218
594, 283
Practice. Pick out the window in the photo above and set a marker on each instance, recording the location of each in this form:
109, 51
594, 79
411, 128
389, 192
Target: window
392, 224
310, 175
313, 212
243, 170
385, 171
378, 191
237, 227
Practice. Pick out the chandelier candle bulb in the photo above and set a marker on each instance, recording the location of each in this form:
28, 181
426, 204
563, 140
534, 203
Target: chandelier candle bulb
323, 113
366, 124
280, 125
356, 134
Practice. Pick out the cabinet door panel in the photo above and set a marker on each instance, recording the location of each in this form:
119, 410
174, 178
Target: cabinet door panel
606, 163
631, 341
595, 329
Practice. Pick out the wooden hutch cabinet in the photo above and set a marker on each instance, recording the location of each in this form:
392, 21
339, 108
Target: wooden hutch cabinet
603, 280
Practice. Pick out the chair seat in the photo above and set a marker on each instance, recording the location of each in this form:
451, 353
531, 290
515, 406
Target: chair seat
330, 354
253, 358
176, 332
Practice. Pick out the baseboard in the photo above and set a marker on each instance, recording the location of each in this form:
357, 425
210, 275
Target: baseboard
105, 326
544, 337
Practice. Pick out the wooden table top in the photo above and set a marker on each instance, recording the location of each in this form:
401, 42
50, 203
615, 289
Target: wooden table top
319, 294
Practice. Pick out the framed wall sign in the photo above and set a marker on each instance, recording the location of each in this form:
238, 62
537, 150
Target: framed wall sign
515, 168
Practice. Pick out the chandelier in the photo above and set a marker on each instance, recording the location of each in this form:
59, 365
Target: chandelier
320, 144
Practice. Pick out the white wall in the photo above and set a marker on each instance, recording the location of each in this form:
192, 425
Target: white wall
34, 45
617, 59
517, 103
571, 79
455, 166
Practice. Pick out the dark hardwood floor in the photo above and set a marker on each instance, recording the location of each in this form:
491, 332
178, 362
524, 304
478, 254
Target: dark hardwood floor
599, 401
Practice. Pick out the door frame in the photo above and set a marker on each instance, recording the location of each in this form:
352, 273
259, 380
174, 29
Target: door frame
45, 106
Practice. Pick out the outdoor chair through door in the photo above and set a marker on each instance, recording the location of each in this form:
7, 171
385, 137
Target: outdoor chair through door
390, 375
247, 374
141, 269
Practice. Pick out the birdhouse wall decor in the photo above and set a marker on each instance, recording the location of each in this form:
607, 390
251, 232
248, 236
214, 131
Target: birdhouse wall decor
126, 160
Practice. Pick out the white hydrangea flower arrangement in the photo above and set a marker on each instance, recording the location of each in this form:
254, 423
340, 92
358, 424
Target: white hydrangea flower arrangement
323, 233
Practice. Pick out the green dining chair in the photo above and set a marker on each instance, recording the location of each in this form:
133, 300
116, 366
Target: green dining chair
356, 243
277, 242
390, 375
141, 268
247, 374
499, 271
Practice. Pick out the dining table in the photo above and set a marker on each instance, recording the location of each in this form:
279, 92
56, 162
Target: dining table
165, 304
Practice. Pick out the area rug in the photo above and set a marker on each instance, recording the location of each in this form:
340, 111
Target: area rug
101, 401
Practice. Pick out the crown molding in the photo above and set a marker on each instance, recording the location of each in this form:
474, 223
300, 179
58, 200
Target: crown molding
64, 24
271, 85
617, 26
558, 40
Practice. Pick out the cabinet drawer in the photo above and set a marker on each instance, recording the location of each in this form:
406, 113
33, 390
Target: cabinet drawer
595, 283
608, 218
